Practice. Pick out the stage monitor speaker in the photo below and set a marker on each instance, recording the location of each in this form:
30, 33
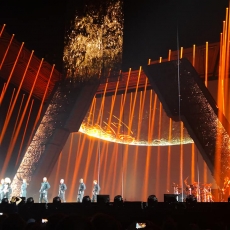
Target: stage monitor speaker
103, 199
171, 198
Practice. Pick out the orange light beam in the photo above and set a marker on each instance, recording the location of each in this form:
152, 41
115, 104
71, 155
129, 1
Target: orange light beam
181, 155
12, 144
206, 65
169, 155
100, 113
181, 52
169, 55
41, 105
193, 167
160, 60
3, 27
158, 152
8, 111
24, 133
6, 52
112, 104
15, 99
194, 55
149, 61
123, 103
134, 102
11, 73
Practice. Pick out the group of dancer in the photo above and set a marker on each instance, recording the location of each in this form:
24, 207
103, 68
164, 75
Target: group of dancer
6, 190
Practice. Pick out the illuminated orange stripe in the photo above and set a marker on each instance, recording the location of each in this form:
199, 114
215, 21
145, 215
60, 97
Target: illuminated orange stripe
69, 158
169, 55
194, 55
3, 27
76, 173
24, 133
10, 105
181, 153
193, 163
41, 105
149, 61
12, 144
181, 52
123, 99
15, 100
6, 52
206, 65
11, 73
158, 152
169, 155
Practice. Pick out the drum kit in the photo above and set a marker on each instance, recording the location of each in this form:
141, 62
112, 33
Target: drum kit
202, 192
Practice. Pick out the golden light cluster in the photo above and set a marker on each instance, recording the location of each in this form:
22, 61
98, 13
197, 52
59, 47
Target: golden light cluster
93, 46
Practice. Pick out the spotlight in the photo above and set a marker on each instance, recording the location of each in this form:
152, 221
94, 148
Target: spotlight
57, 200
86, 200
152, 201
191, 200
5, 201
118, 201
30, 200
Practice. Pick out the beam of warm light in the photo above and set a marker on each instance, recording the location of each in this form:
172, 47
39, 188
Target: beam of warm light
3, 27
11, 73
158, 163
12, 144
181, 52
41, 105
10, 105
193, 160
193, 55
6, 52
169, 55
6, 122
134, 103
169, 156
24, 134
149, 61
160, 59
206, 65
181, 155
79, 156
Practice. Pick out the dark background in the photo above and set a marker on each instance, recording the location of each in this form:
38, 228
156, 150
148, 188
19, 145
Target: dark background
151, 27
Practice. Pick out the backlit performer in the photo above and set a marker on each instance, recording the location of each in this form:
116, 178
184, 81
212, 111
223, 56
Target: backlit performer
81, 190
96, 190
23, 188
45, 186
61, 191
7, 190
1, 189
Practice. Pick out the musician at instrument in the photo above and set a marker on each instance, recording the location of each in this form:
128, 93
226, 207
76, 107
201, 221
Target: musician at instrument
226, 188
1, 189
62, 189
81, 190
96, 189
23, 188
7, 190
45, 186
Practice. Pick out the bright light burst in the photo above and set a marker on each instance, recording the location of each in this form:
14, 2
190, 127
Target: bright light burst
94, 44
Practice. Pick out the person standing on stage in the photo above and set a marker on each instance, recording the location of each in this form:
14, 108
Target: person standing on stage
1, 189
62, 188
23, 188
96, 190
7, 190
45, 186
81, 190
